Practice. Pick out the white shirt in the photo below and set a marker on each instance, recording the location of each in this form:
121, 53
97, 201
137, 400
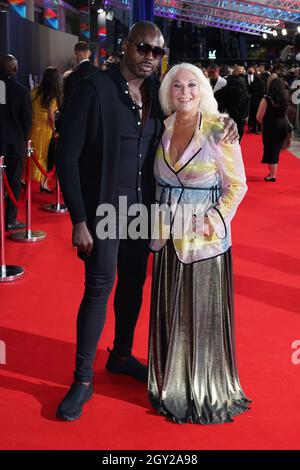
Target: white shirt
221, 82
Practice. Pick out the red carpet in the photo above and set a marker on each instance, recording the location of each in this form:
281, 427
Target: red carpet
38, 326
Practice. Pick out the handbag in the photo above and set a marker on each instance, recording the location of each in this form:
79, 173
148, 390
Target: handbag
288, 139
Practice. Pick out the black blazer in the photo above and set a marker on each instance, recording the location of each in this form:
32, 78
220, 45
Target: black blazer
15, 118
256, 91
88, 151
83, 70
234, 100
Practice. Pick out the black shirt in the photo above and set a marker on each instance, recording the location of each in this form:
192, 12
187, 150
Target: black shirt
137, 149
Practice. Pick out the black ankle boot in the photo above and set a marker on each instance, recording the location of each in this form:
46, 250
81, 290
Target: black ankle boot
70, 407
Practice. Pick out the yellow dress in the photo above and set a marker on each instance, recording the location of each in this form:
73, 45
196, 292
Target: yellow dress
40, 134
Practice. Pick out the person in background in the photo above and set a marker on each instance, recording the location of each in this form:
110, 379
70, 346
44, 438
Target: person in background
15, 123
272, 115
113, 59
84, 69
263, 73
239, 70
46, 99
225, 71
215, 80
68, 71
256, 90
204, 71
234, 100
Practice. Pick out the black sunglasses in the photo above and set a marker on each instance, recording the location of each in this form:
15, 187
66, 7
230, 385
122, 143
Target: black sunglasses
144, 48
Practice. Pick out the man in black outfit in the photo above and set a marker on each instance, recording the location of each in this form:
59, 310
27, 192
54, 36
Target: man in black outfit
110, 130
256, 90
15, 124
83, 69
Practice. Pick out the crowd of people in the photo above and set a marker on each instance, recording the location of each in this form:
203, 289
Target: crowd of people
116, 132
261, 97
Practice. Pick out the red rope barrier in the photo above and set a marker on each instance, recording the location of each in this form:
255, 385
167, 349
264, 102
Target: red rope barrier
42, 170
21, 203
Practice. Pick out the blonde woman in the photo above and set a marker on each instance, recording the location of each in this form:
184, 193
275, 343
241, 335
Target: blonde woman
192, 367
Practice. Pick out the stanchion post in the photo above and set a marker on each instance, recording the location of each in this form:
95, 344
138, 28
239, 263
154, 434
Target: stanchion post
8, 272
58, 207
28, 212
2, 166
28, 236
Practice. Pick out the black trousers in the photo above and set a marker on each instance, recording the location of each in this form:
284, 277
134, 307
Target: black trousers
252, 122
129, 259
13, 172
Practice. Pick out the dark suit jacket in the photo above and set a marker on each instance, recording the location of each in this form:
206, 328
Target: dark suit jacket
256, 91
83, 70
15, 118
234, 100
87, 157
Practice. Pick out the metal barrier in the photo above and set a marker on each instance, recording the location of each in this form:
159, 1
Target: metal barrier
28, 236
8, 272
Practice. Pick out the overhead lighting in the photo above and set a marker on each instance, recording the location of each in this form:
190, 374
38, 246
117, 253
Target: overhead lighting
265, 35
100, 10
252, 45
274, 32
284, 32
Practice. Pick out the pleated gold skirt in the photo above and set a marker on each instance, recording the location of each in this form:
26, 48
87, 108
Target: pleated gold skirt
192, 365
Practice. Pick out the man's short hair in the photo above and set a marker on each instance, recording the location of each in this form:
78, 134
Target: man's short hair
81, 46
213, 66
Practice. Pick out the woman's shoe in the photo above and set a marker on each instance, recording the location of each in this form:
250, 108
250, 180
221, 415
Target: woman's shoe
270, 178
44, 189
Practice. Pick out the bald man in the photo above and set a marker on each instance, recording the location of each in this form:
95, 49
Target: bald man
110, 131
15, 123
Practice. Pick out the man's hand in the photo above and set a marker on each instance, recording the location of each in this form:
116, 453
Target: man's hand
208, 228
81, 238
230, 133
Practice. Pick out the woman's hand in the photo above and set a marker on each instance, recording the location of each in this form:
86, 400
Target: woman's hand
230, 132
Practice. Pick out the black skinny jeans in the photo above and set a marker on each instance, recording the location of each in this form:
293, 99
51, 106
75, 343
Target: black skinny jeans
129, 257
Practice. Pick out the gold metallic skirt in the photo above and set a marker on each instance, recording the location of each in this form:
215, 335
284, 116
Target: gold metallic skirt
192, 367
